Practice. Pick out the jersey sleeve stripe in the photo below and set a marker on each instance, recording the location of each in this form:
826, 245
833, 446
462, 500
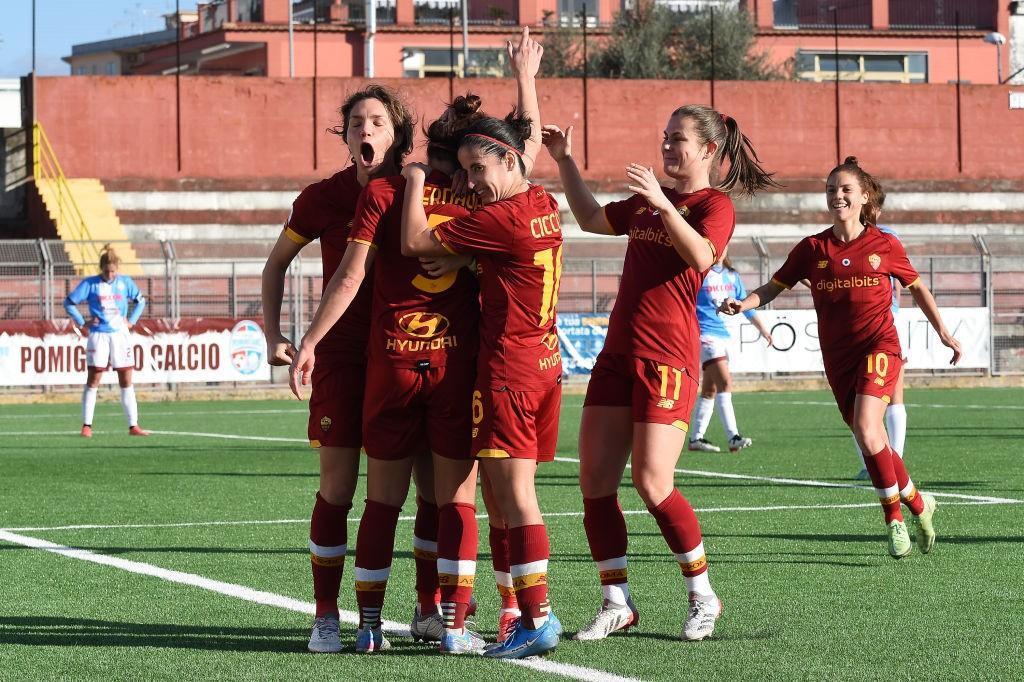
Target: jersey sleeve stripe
442, 242
362, 241
714, 251
781, 284
295, 236
915, 282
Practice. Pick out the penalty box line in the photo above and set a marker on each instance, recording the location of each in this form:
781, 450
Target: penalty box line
574, 514
279, 601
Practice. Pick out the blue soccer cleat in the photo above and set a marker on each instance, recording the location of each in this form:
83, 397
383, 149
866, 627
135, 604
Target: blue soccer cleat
523, 642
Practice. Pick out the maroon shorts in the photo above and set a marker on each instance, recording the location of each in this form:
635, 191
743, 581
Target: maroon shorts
410, 411
658, 393
519, 424
336, 404
875, 374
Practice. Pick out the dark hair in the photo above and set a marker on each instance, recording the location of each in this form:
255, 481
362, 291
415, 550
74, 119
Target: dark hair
108, 257
876, 195
745, 168
401, 118
445, 133
498, 137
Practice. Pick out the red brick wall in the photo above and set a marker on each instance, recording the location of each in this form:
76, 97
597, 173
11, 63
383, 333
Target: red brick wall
124, 127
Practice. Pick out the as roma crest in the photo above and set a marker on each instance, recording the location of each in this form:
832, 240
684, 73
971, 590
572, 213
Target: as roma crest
874, 260
325, 423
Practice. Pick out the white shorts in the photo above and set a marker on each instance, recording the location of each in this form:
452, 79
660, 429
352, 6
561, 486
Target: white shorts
712, 348
106, 350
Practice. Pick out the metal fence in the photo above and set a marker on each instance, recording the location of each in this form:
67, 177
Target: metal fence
186, 279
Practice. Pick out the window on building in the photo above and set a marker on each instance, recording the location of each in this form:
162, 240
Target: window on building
111, 68
436, 62
872, 67
570, 11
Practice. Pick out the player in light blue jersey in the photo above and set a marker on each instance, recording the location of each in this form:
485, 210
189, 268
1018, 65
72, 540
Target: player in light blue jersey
109, 344
720, 282
896, 413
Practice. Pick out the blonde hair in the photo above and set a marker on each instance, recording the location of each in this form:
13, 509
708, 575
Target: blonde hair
108, 256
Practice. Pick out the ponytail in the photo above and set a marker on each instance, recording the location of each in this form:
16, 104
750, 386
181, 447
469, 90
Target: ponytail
876, 195
745, 170
108, 256
444, 134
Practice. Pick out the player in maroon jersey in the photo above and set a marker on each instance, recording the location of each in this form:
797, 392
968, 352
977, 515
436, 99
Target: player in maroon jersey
517, 241
644, 382
848, 267
422, 357
378, 130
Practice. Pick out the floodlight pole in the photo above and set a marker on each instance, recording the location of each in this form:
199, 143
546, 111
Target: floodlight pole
315, 73
177, 78
291, 41
712, 56
451, 53
959, 140
586, 117
835, 34
465, 36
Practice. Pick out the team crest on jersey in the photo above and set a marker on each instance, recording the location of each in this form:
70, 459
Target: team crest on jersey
822, 264
325, 423
424, 325
684, 211
874, 260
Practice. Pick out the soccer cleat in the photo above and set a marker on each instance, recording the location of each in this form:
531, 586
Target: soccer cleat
925, 529
86, 431
468, 642
324, 639
556, 624
899, 539
862, 475
523, 642
428, 628
700, 620
506, 624
610, 618
137, 431
738, 442
371, 640
703, 445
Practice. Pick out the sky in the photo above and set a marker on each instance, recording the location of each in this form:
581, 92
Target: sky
63, 23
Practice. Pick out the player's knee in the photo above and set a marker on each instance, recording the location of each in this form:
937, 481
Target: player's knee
650, 487
595, 482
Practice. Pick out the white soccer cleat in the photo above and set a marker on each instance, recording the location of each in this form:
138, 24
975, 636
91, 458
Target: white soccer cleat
703, 445
700, 620
738, 442
371, 640
610, 618
325, 639
428, 628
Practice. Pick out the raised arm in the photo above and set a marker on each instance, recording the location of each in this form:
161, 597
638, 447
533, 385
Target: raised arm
525, 60
688, 243
417, 237
926, 302
589, 214
279, 348
763, 295
337, 297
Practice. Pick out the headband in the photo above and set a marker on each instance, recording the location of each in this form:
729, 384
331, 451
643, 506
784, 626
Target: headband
497, 142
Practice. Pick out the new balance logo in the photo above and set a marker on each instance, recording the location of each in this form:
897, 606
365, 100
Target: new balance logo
822, 264
667, 403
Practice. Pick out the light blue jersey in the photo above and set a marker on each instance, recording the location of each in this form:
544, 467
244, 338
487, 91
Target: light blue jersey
719, 284
108, 302
895, 307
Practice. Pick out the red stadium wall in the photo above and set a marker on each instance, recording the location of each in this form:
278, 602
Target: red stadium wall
124, 127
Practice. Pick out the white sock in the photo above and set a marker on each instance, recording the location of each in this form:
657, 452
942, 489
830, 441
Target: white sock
896, 425
88, 405
700, 585
616, 594
131, 408
702, 417
726, 414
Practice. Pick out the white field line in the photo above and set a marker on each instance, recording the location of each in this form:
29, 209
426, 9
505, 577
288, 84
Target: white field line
280, 601
627, 512
817, 484
829, 403
189, 413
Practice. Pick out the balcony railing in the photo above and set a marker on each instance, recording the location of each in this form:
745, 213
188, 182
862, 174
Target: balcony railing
914, 14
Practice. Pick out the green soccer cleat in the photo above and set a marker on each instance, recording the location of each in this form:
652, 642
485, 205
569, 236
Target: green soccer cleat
925, 529
899, 539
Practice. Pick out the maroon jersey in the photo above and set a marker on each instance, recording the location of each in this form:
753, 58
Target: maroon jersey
851, 289
655, 310
416, 317
324, 211
518, 246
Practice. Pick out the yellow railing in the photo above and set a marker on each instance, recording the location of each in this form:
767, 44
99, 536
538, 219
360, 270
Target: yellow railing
47, 171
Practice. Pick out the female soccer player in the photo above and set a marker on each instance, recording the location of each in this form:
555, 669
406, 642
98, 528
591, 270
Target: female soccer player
517, 241
109, 344
721, 282
848, 267
378, 130
644, 382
